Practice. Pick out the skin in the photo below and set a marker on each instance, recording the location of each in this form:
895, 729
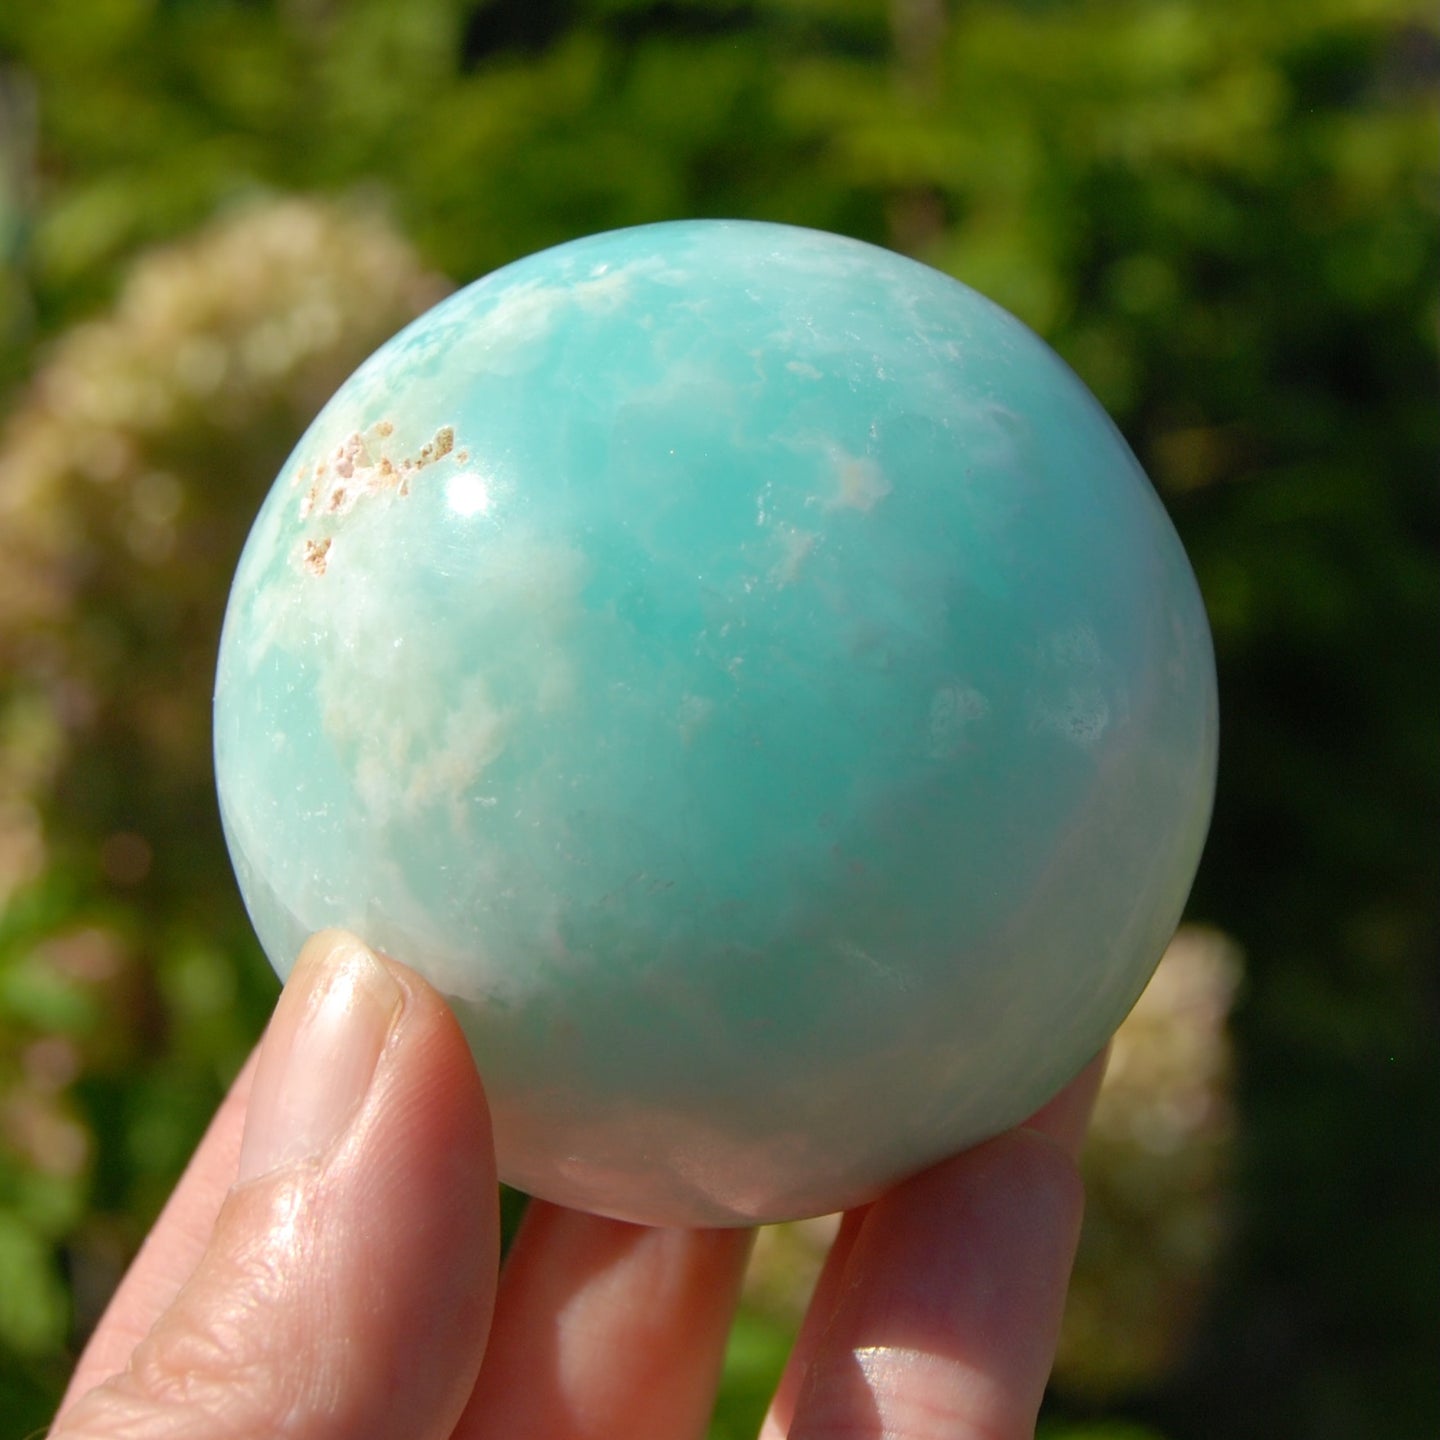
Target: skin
328, 1267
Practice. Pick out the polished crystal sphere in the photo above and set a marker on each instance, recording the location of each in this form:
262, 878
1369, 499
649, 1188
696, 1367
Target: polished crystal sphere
748, 673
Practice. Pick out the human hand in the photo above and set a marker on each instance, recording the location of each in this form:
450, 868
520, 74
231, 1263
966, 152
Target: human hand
326, 1269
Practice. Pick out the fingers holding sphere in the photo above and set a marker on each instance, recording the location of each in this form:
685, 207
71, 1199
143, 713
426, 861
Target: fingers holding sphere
346, 1286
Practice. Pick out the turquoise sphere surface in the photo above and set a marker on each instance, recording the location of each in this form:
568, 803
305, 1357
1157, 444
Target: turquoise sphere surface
748, 673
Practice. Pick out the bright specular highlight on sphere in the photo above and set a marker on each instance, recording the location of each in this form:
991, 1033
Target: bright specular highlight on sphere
747, 672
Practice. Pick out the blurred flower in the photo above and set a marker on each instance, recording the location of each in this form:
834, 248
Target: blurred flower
1156, 1171
129, 472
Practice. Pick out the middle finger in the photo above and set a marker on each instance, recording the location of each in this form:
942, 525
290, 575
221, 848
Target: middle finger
604, 1329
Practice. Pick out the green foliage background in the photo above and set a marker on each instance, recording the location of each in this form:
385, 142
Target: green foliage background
1223, 214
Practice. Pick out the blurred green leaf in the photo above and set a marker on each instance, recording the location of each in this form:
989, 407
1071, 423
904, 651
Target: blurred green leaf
754, 1358
34, 1311
32, 994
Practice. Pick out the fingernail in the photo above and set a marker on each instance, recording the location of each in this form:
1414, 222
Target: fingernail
319, 1054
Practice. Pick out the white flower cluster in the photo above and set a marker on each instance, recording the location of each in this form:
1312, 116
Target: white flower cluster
132, 464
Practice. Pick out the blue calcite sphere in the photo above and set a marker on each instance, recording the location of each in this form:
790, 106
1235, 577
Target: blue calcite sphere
747, 672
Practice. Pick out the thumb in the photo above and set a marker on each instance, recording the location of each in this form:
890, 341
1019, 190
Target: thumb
347, 1285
